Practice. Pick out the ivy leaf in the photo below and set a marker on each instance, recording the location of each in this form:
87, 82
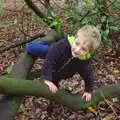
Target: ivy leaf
114, 28
99, 26
9, 69
103, 18
52, 13
58, 26
106, 32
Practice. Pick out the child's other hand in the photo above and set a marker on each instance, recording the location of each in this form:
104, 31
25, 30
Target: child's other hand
87, 96
51, 86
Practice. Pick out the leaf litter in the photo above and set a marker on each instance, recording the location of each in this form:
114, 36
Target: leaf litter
34, 108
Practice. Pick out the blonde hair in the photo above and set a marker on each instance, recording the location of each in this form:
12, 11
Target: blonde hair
92, 35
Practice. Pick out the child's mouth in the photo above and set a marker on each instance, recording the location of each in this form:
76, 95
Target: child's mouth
75, 53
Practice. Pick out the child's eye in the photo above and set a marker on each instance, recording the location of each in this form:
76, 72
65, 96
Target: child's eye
77, 43
83, 49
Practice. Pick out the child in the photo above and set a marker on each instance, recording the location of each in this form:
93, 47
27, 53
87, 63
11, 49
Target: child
68, 56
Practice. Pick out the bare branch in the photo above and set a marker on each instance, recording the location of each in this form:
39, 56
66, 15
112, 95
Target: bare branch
47, 4
3, 49
42, 3
84, 16
112, 3
31, 4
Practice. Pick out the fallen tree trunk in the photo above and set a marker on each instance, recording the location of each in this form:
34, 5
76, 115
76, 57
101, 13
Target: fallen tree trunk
9, 105
73, 101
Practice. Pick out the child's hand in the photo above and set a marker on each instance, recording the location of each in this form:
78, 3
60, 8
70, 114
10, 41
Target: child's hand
87, 96
51, 86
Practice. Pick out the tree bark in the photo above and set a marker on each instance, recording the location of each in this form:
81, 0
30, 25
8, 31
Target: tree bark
47, 4
35, 74
73, 101
9, 105
32, 6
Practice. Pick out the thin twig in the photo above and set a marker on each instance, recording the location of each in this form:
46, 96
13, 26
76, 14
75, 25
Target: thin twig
101, 8
109, 103
84, 16
42, 3
99, 114
23, 32
22, 24
112, 3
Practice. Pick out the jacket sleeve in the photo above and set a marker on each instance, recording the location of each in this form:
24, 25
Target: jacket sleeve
87, 74
53, 55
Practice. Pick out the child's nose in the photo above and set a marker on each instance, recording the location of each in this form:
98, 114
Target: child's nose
78, 49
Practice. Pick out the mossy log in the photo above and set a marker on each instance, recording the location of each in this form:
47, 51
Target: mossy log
9, 105
21, 87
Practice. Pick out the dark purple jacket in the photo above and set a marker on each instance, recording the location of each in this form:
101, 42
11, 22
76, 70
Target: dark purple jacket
58, 64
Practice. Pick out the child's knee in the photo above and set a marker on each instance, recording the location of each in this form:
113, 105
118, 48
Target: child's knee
31, 48
37, 49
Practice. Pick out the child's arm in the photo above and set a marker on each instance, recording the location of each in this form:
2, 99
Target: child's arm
53, 55
51, 86
87, 75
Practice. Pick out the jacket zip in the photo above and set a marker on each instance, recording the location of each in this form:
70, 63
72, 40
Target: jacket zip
65, 64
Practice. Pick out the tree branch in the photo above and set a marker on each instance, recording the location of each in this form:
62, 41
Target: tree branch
21, 87
18, 43
104, 7
9, 105
37, 11
112, 3
47, 4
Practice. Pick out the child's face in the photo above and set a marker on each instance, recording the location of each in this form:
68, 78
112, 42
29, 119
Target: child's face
81, 47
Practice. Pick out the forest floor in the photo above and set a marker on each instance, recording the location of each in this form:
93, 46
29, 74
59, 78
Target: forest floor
17, 25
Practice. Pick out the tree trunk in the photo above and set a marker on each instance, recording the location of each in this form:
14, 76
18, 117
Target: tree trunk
74, 101
9, 105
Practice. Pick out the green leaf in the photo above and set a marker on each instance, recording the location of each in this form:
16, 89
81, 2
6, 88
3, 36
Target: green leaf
9, 69
1, 15
109, 20
59, 30
1, 8
52, 13
50, 18
106, 32
99, 26
113, 27
103, 18
89, 2
54, 23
